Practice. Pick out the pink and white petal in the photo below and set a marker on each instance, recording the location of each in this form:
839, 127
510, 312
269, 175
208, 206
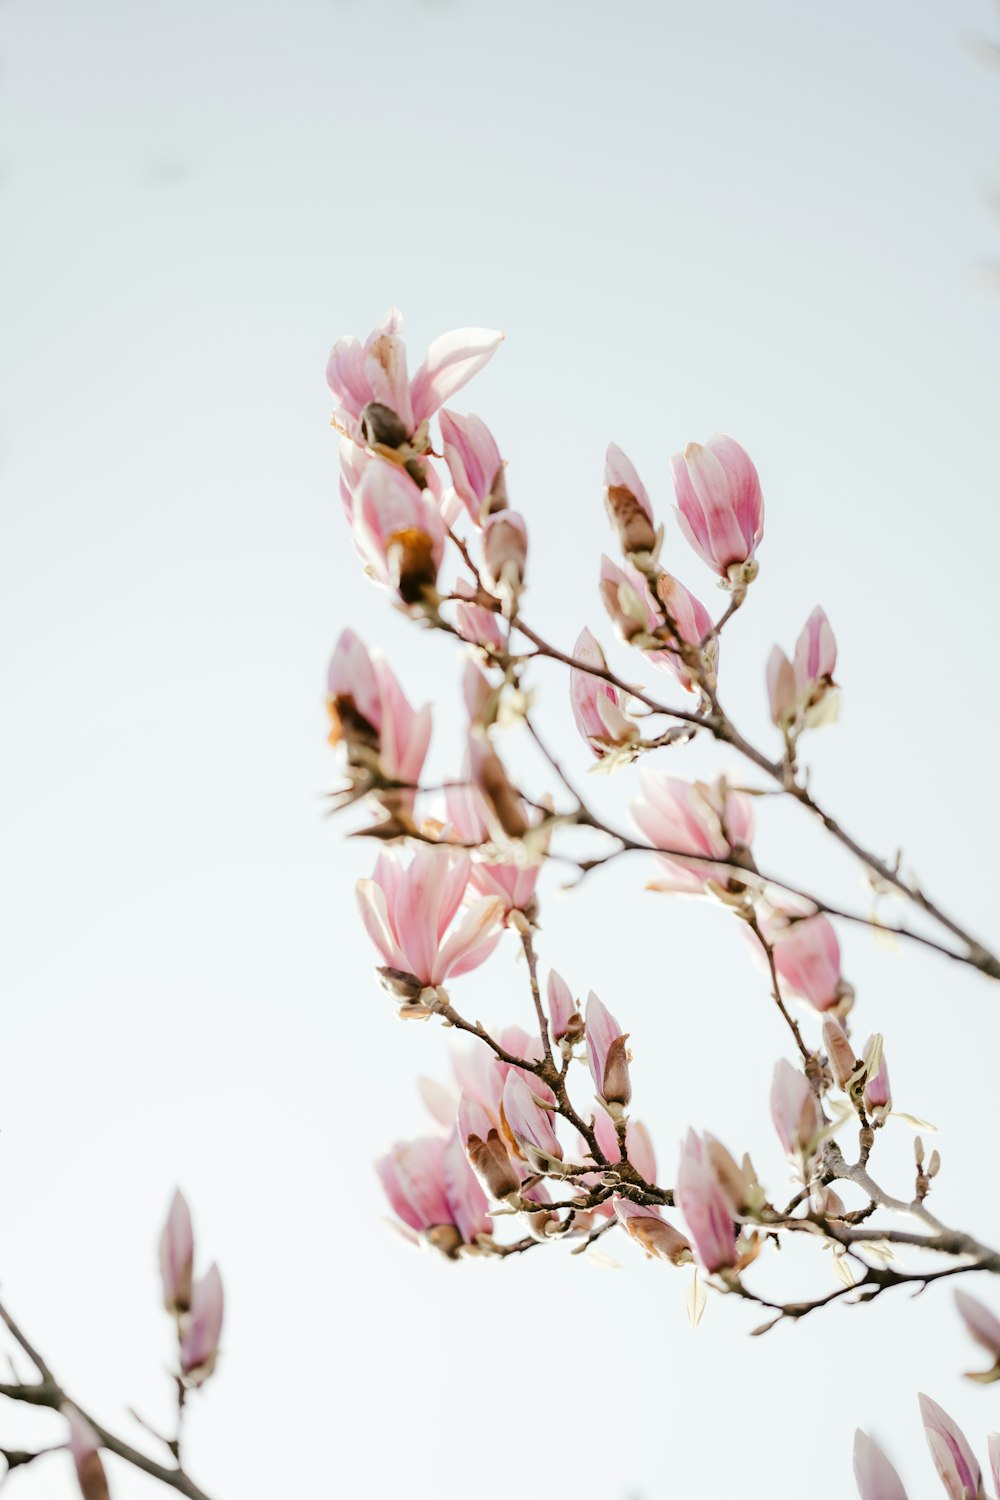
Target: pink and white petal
472, 941
372, 905
452, 360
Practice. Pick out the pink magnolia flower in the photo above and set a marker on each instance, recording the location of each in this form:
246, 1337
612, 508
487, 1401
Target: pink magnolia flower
434, 1192
203, 1328
650, 1229
84, 1447
807, 958
398, 530
513, 884
504, 807
629, 509
685, 818
843, 1063
876, 1478
607, 1055
984, 1327
370, 712
596, 704
473, 458
794, 1110
953, 1458
704, 1206
177, 1256
720, 506
529, 1124
375, 373
408, 913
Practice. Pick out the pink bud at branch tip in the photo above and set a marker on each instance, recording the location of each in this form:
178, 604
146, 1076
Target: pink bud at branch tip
607, 1055
84, 1446
177, 1256
202, 1328
953, 1458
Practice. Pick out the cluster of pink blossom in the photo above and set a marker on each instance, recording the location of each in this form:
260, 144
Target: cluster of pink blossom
431, 519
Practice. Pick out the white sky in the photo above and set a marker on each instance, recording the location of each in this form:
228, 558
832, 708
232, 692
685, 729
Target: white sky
767, 218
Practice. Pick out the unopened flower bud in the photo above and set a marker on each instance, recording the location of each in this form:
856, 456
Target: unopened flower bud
780, 688
505, 552
177, 1256
607, 1054
84, 1446
843, 1063
628, 504
720, 507
649, 1229
565, 1020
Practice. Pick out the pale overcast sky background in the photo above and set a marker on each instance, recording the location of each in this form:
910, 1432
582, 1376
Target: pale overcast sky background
768, 218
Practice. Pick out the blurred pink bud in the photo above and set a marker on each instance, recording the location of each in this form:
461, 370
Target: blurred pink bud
607, 1054
564, 1018
479, 694
628, 504
529, 1124
84, 1445
984, 1327
649, 1229
704, 1206
843, 1063
720, 506
953, 1458
177, 1256
732, 1179
807, 958
370, 713
505, 552
781, 689
474, 460
876, 1478
408, 913
476, 624
877, 1097
398, 530
815, 651
376, 403
595, 703
504, 807
794, 1110
514, 884
691, 818
202, 1328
